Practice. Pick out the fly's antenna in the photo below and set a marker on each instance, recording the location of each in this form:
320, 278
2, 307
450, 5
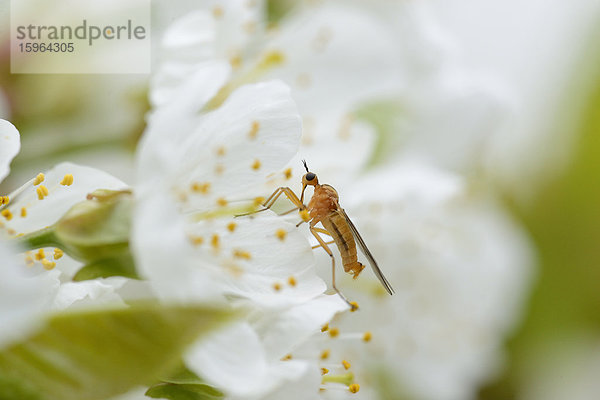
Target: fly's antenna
305, 166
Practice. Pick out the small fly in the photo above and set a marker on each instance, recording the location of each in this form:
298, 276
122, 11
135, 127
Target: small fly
324, 207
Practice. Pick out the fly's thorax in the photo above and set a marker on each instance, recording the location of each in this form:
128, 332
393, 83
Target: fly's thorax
323, 202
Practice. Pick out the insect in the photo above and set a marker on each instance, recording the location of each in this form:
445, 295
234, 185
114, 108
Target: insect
324, 207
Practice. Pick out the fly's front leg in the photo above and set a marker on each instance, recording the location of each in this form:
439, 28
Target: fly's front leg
273, 198
322, 243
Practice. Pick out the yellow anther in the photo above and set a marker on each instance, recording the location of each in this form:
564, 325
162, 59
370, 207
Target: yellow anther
219, 169
215, 241
281, 234
277, 286
355, 387
259, 200
7, 214
333, 332
242, 254
325, 328
23, 212
196, 240
221, 151
292, 281
67, 180
271, 59
236, 61
353, 306
4, 200
42, 191
256, 164
58, 253
48, 265
324, 354
346, 364
200, 187
324, 371
38, 179
304, 214
231, 226
286, 357
222, 202
217, 12
40, 255
367, 336
11, 231
254, 130
287, 173
29, 261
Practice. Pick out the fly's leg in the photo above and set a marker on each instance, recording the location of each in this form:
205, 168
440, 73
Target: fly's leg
322, 243
273, 198
324, 232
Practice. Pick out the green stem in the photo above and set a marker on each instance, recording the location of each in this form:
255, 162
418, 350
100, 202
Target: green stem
34, 240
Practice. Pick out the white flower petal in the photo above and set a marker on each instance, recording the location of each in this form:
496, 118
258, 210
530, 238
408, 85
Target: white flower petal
9, 146
90, 293
24, 297
282, 333
234, 360
45, 212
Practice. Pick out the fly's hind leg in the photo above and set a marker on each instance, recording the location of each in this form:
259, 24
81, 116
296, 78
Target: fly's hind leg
322, 243
289, 193
324, 232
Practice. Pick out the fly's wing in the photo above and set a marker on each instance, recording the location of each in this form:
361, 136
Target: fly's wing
367, 253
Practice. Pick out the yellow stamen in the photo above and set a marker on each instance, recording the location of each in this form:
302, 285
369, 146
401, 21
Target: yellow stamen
353, 306
287, 357
215, 241
221, 151
256, 165
277, 286
58, 253
29, 261
236, 61
231, 226
254, 130
4, 200
217, 12
258, 200
222, 202
333, 332
11, 231
287, 173
304, 214
67, 180
324, 371
281, 234
38, 179
242, 254
42, 191
367, 336
196, 240
292, 281
325, 328
355, 387
48, 265
219, 169
40, 255
23, 212
200, 187
325, 355
7, 214
346, 364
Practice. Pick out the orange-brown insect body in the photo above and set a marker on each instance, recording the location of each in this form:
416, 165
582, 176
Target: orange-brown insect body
324, 207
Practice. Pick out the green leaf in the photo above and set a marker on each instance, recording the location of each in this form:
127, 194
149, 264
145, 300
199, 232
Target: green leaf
93, 355
172, 391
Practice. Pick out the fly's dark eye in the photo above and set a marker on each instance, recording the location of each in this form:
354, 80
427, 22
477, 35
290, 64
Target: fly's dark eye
310, 176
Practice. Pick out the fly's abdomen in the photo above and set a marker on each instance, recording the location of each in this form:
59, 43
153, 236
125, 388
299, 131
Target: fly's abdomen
337, 226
